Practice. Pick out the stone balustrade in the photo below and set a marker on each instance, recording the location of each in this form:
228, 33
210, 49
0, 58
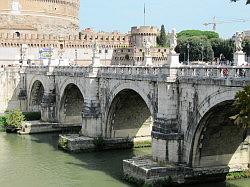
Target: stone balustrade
157, 72
214, 71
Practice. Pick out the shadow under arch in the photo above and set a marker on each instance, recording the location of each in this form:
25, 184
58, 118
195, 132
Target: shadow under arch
218, 141
129, 116
36, 96
71, 105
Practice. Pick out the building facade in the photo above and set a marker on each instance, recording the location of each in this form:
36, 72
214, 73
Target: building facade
55, 17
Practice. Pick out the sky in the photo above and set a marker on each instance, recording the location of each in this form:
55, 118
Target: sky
121, 15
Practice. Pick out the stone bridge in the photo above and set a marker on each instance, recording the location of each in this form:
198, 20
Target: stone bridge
185, 110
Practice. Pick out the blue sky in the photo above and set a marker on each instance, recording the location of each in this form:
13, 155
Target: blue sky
109, 15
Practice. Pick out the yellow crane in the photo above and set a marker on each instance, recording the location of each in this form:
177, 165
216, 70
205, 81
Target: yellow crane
215, 22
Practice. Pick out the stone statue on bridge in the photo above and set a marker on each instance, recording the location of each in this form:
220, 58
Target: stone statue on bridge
238, 39
95, 48
147, 47
173, 41
24, 48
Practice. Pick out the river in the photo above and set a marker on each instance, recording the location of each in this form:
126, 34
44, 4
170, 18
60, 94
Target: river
35, 161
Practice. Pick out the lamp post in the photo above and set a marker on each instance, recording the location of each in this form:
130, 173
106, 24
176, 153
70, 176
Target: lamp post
188, 47
202, 48
76, 56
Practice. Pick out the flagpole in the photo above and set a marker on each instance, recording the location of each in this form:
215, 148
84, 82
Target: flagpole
144, 14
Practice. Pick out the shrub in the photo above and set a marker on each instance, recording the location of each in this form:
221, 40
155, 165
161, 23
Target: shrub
15, 118
32, 116
99, 142
3, 123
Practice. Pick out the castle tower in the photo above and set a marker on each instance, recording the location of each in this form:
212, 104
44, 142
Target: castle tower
56, 17
139, 35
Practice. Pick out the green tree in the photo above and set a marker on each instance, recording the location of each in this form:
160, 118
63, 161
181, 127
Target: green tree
223, 47
199, 47
242, 106
247, 2
162, 38
246, 47
190, 33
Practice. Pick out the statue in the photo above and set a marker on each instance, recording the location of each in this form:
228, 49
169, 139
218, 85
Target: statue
238, 39
173, 41
15, 7
147, 47
24, 48
95, 48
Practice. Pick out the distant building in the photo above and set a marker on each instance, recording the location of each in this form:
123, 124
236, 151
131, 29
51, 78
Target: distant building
135, 53
49, 30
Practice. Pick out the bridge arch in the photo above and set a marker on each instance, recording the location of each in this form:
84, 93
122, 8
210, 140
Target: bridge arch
129, 113
36, 93
71, 104
216, 140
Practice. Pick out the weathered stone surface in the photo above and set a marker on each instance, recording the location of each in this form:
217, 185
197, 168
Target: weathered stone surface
188, 112
77, 143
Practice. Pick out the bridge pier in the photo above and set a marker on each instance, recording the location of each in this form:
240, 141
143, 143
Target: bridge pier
91, 119
48, 107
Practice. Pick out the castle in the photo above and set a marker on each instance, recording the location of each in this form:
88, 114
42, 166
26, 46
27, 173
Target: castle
39, 31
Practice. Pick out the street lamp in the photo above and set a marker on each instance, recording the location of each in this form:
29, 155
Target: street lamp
202, 48
76, 56
188, 47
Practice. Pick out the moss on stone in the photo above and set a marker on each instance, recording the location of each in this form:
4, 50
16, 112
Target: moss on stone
238, 175
141, 144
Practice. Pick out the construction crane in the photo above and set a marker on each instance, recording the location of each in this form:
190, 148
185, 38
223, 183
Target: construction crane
214, 22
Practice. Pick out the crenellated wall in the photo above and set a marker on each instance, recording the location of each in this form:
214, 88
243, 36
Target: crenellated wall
40, 16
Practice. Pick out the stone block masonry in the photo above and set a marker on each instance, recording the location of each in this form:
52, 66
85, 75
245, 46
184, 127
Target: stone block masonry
179, 106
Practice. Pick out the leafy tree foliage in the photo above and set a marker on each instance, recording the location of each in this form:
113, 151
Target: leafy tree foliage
242, 105
247, 2
246, 47
198, 46
162, 38
190, 33
223, 48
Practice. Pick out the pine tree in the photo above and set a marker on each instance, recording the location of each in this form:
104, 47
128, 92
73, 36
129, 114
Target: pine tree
248, 1
162, 38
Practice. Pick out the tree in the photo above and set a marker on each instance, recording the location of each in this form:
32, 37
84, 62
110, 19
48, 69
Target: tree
246, 47
223, 47
247, 2
190, 33
162, 38
199, 47
242, 106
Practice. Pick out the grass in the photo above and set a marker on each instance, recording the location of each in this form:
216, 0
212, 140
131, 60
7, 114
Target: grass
141, 144
238, 175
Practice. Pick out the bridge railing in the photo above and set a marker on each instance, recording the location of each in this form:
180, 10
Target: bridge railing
133, 70
157, 71
214, 71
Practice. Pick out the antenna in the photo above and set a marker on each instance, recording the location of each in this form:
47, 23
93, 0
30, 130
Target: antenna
144, 14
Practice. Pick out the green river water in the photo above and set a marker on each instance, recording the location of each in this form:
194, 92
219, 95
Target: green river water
35, 161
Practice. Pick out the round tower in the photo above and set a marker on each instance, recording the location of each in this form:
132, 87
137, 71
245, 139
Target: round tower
56, 17
139, 35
